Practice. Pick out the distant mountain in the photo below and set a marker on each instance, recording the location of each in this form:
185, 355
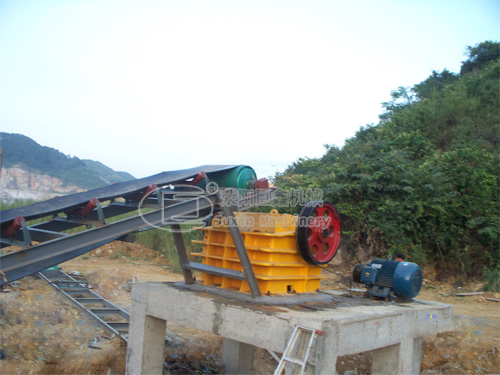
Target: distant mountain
107, 174
23, 153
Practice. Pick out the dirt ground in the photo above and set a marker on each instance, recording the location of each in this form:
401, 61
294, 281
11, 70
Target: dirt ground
42, 333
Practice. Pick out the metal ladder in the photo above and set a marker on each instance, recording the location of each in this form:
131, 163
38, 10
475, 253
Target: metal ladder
301, 359
79, 294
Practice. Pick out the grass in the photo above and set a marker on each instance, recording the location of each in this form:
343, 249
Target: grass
492, 280
162, 241
15, 204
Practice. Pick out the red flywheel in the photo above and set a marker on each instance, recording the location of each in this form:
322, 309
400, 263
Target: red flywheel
318, 232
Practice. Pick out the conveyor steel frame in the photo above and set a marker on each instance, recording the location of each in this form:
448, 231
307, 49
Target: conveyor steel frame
25, 262
56, 247
239, 244
122, 189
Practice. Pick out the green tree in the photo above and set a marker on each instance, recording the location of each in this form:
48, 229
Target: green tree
480, 55
425, 180
435, 82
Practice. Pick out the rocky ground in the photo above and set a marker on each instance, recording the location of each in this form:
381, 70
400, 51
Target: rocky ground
42, 333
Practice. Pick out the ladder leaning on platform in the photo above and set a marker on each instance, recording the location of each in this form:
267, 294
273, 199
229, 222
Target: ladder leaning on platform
292, 348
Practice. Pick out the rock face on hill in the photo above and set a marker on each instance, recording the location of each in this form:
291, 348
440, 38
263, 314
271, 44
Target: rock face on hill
33, 171
17, 183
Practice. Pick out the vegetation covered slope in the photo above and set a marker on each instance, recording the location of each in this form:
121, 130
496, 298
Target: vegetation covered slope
107, 174
425, 179
23, 152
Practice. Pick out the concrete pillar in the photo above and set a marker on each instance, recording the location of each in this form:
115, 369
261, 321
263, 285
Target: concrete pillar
325, 355
237, 357
402, 358
145, 351
417, 355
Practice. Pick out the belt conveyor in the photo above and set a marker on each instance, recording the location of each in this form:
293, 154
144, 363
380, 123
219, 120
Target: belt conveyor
76, 201
75, 224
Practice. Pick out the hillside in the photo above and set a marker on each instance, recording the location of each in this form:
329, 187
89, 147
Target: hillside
425, 179
107, 174
23, 153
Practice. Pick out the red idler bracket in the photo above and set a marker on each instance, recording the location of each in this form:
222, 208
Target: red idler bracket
147, 192
85, 210
198, 178
14, 227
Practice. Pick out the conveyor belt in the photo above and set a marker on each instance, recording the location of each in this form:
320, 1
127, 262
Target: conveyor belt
75, 201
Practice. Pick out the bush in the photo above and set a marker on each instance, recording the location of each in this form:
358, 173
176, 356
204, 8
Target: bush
492, 280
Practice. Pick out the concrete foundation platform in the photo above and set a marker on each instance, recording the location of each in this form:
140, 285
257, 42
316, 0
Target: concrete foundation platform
394, 331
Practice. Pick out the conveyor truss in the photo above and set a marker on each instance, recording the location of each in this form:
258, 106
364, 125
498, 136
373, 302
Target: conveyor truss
65, 227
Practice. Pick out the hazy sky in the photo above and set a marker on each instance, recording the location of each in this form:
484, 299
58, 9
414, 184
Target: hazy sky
150, 86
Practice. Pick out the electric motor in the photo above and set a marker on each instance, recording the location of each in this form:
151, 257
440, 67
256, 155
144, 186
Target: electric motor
383, 277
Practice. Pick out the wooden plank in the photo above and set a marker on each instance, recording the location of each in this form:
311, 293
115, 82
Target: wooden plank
469, 294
